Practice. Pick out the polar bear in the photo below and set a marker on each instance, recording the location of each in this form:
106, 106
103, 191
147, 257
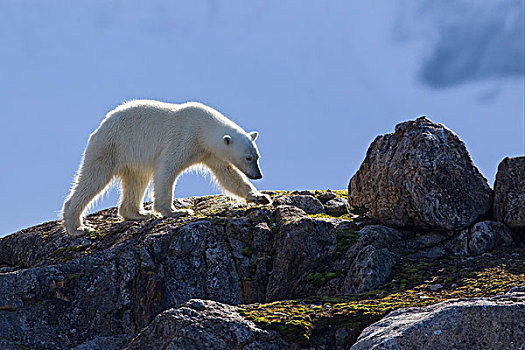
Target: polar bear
143, 141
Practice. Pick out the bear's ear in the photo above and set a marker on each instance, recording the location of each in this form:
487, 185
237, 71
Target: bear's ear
254, 135
227, 139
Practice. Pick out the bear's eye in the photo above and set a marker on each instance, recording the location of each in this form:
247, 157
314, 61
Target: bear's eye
249, 159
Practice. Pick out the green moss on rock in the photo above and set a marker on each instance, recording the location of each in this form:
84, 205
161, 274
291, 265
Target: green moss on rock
247, 251
482, 276
341, 193
75, 248
320, 279
345, 239
10, 308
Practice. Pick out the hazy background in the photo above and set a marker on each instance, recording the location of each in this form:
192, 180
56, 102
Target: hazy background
319, 80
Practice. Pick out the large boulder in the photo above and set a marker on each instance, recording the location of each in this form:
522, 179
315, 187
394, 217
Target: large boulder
204, 324
509, 192
482, 323
420, 176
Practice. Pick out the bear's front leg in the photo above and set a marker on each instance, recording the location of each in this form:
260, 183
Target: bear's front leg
259, 198
163, 183
233, 181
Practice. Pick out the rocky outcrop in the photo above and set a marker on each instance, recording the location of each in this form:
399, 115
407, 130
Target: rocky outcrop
101, 289
420, 176
130, 280
481, 323
114, 285
204, 324
509, 192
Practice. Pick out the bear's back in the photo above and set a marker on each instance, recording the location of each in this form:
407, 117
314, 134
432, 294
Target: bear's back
139, 131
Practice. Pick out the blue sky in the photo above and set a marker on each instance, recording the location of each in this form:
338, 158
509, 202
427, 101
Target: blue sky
319, 80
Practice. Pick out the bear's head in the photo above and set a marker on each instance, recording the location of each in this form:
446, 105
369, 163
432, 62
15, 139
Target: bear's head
241, 151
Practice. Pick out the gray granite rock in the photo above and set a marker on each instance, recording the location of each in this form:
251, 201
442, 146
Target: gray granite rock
308, 203
481, 238
326, 196
304, 193
420, 176
487, 235
377, 235
509, 192
367, 264
482, 323
368, 271
336, 207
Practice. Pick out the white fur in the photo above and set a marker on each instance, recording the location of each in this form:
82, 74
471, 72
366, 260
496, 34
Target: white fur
144, 140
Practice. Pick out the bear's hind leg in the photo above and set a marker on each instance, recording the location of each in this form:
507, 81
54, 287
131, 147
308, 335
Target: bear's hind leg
134, 185
92, 178
163, 184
